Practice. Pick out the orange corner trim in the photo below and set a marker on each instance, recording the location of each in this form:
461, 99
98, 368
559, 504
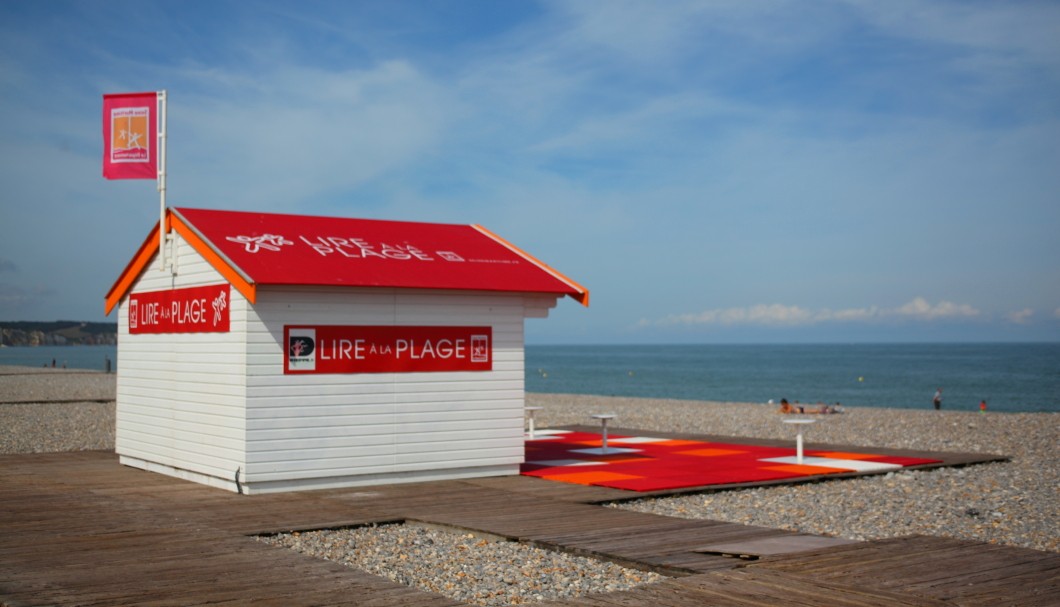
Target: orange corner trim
132, 271
148, 249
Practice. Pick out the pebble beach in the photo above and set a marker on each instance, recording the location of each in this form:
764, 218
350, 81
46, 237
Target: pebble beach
1015, 503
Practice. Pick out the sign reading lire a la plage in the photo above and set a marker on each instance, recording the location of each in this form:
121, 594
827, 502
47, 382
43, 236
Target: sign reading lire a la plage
192, 310
386, 349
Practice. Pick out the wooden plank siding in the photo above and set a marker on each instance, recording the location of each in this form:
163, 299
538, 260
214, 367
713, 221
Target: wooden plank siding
181, 397
410, 425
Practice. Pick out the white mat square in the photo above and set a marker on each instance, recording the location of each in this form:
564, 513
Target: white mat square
844, 464
634, 440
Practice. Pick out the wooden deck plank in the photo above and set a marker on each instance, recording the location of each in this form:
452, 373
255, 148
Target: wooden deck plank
80, 529
971, 573
759, 587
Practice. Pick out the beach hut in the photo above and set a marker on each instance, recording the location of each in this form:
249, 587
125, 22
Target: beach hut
285, 352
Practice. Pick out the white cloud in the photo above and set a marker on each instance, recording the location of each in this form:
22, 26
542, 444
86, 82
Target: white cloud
920, 309
299, 132
774, 314
1015, 30
781, 315
1020, 317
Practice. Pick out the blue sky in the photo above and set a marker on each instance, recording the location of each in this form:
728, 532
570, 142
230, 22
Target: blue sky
712, 171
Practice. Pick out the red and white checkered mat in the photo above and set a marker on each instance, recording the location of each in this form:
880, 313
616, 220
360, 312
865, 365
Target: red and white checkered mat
643, 463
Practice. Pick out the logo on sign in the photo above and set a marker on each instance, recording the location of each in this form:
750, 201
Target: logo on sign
480, 348
129, 135
133, 312
253, 244
219, 304
301, 349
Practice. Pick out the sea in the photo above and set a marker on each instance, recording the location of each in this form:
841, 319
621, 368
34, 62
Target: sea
74, 357
1021, 377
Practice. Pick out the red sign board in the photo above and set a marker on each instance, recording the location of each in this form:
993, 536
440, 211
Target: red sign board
193, 310
386, 349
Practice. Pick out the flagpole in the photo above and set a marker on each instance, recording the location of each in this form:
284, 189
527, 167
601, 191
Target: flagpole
162, 177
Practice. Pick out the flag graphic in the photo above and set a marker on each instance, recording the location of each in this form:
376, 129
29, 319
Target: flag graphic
130, 136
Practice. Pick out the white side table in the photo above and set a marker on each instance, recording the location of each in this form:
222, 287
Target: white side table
799, 423
603, 417
530, 414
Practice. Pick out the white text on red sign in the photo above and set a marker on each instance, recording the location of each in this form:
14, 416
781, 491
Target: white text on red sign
386, 349
191, 310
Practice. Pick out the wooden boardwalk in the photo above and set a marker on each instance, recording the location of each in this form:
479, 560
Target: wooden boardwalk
80, 529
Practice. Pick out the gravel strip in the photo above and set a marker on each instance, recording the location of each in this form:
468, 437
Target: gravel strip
463, 566
48, 427
32, 385
55, 410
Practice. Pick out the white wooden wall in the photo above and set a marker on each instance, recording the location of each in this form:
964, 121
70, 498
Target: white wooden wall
181, 397
317, 430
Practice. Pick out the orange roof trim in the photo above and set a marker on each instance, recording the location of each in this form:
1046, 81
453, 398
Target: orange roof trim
148, 250
132, 270
582, 296
229, 271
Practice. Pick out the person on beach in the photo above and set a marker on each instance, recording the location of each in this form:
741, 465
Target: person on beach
785, 407
982, 406
937, 401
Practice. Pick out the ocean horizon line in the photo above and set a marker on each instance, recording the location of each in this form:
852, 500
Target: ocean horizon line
970, 342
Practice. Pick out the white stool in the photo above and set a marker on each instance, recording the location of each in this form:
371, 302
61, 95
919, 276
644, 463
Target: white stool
800, 422
603, 417
530, 414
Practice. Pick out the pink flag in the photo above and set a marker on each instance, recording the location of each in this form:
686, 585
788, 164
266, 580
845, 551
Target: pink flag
130, 136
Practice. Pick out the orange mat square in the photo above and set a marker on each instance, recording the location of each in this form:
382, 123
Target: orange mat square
710, 452
588, 478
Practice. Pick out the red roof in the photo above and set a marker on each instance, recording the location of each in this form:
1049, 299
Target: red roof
252, 249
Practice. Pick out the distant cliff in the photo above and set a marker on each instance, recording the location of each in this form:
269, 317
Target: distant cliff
58, 333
